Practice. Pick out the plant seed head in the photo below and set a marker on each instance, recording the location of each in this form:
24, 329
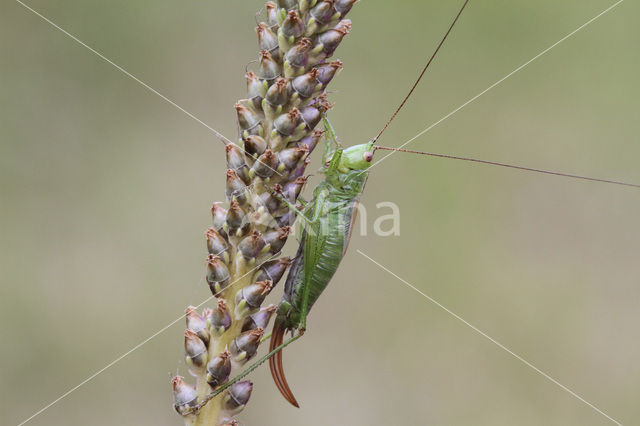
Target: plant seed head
236, 187
255, 145
252, 245
247, 118
329, 40
195, 351
299, 171
276, 239
290, 157
245, 346
235, 216
220, 319
272, 11
328, 70
267, 40
235, 157
344, 6
311, 140
292, 26
287, 4
216, 243
239, 395
259, 319
311, 115
273, 270
255, 88
278, 94
269, 67
219, 369
254, 294
298, 55
217, 270
323, 11
265, 165
184, 395
197, 324
287, 123
306, 84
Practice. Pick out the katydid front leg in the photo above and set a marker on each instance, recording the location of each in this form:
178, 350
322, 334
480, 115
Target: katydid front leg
330, 131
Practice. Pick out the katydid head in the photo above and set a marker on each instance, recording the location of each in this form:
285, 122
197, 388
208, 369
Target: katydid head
357, 157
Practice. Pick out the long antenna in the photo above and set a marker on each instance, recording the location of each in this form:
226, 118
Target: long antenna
423, 71
511, 166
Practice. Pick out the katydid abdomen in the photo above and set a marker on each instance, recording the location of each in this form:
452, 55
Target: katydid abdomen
317, 271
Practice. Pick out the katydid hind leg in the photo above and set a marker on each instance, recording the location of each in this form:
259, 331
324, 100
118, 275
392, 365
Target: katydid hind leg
304, 309
330, 132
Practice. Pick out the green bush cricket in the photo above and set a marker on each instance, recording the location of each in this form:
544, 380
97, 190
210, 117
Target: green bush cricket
326, 230
327, 225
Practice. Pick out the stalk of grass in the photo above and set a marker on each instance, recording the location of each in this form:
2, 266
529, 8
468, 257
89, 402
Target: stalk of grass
286, 100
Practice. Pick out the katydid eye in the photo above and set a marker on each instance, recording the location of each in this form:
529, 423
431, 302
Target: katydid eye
368, 156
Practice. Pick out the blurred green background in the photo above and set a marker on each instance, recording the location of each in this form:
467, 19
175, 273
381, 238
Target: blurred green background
106, 189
